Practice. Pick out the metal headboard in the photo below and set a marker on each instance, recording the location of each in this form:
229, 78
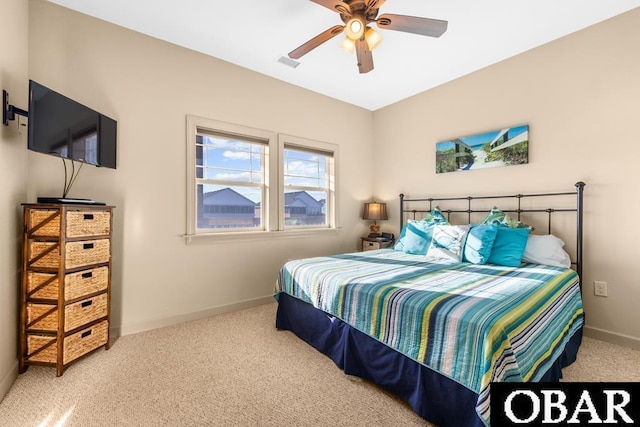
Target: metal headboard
519, 210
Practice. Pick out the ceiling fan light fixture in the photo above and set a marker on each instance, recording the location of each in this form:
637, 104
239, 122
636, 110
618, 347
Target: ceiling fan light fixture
348, 44
356, 16
373, 39
355, 28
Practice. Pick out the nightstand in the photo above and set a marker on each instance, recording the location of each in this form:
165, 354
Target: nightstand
373, 243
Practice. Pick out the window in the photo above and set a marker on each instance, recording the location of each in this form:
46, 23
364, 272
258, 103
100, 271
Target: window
228, 170
307, 188
243, 180
229, 181
308, 183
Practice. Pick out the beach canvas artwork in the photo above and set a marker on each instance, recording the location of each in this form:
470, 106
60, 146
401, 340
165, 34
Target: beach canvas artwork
502, 147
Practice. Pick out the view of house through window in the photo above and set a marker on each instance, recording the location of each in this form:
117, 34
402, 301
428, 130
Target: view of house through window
250, 181
230, 182
306, 185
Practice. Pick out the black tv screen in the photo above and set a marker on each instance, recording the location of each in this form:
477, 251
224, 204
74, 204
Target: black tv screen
63, 127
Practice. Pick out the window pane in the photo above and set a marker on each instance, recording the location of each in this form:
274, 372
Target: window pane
218, 156
199, 156
303, 182
228, 206
304, 169
229, 160
256, 162
228, 170
304, 208
229, 144
229, 175
225, 206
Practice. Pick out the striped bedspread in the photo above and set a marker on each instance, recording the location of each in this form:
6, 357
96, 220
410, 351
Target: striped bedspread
472, 323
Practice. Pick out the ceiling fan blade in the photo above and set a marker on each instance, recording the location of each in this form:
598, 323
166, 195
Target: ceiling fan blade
412, 24
365, 59
316, 41
374, 4
335, 5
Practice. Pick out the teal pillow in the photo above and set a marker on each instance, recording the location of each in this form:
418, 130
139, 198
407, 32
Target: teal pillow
496, 216
479, 243
399, 246
434, 217
417, 237
508, 247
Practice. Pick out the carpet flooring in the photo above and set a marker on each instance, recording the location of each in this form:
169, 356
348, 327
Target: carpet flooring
234, 369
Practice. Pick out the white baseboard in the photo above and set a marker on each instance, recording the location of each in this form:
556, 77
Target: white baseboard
8, 380
134, 328
612, 337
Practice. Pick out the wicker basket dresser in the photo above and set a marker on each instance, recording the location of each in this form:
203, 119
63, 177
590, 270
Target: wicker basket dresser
66, 283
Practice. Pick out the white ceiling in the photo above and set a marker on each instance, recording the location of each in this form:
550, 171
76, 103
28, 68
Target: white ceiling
255, 33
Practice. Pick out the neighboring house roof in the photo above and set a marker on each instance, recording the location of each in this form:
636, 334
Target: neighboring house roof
226, 197
229, 197
301, 199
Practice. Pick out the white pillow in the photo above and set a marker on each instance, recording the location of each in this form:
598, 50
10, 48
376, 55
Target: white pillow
448, 242
547, 250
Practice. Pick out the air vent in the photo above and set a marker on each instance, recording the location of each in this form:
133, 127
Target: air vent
288, 61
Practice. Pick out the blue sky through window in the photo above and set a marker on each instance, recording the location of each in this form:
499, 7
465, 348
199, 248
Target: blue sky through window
230, 160
304, 169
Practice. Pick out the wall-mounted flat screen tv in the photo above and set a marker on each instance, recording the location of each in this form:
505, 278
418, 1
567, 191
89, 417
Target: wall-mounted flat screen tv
65, 128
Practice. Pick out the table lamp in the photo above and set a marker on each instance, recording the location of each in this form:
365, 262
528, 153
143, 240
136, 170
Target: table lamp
375, 211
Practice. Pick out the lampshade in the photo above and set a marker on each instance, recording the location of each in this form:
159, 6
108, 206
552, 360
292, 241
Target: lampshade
348, 44
375, 211
373, 39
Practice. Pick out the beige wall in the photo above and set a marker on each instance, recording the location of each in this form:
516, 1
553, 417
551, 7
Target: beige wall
13, 79
149, 87
581, 97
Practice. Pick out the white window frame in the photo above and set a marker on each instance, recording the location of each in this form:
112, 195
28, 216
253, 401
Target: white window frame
269, 197
309, 145
273, 194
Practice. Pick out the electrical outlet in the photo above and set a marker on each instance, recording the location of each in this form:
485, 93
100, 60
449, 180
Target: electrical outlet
600, 288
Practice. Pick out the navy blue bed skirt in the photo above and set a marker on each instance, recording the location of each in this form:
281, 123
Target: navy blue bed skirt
433, 396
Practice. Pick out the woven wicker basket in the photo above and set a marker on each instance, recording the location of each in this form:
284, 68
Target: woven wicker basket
42, 317
39, 342
88, 223
51, 259
84, 341
47, 284
85, 311
77, 254
85, 282
43, 348
82, 253
38, 216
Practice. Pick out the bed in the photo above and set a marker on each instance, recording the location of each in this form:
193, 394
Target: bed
437, 331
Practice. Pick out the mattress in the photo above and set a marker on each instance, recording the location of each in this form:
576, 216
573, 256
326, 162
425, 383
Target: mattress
472, 324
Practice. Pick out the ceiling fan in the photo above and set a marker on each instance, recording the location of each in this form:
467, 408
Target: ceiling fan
357, 15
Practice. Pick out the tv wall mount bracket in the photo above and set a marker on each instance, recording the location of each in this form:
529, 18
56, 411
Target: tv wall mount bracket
9, 111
